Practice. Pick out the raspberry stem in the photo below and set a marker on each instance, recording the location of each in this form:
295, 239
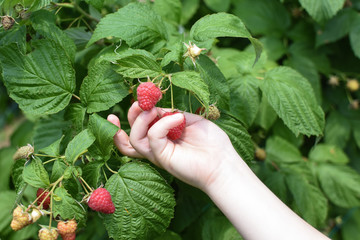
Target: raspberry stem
87, 185
107, 166
172, 94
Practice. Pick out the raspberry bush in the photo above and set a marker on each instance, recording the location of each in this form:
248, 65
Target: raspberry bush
281, 78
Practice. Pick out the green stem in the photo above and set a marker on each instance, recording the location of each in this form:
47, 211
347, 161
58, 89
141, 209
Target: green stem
80, 10
107, 166
190, 103
85, 151
77, 97
104, 174
87, 185
44, 155
172, 94
51, 160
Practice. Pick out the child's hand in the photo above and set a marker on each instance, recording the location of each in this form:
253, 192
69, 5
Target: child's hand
196, 158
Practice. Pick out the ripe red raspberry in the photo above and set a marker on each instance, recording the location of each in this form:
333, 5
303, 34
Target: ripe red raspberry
176, 132
154, 121
100, 201
148, 94
45, 195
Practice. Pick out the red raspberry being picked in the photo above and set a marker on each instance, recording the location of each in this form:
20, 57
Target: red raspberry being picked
45, 195
100, 201
176, 132
148, 94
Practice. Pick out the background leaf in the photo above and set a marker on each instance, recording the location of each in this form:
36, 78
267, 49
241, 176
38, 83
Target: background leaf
104, 132
310, 201
193, 82
322, 9
218, 87
238, 135
263, 16
144, 203
341, 184
35, 174
41, 82
102, 88
66, 206
292, 98
136, 23
331, 153
136, 63
79, 143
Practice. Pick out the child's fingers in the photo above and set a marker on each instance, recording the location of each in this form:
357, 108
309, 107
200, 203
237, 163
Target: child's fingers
134, 112
140, 128
157, 134
121, 139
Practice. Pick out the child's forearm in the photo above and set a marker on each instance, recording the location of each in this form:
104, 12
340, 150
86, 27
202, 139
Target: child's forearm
253, 209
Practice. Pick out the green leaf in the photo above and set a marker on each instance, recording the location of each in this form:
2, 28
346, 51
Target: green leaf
102, 88
222, 25
218, 5
244, 98
293, 99
219, 227
275, 181
104, 132
169, 10
92, 174
213, 77
322, 10
6, 162
356, 129
279, 129
7, 199
53, 149
78, 145
66, 206
193, 82
337, 130
218, 25
144, 203
35, 174
336, 28
17, 35
350, 228
268, 17
49, 129
58, 170
355, 36
43, 23
280, 151
307, 68
98, 4
137, 63
341, 184
37, 4
238, 135
136, 23
309, 200
266, 115
17, 175
75, 113
169, 235
325, 153
79, 35
41, 82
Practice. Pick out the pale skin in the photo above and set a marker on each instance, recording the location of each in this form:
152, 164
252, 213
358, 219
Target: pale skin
205, 158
